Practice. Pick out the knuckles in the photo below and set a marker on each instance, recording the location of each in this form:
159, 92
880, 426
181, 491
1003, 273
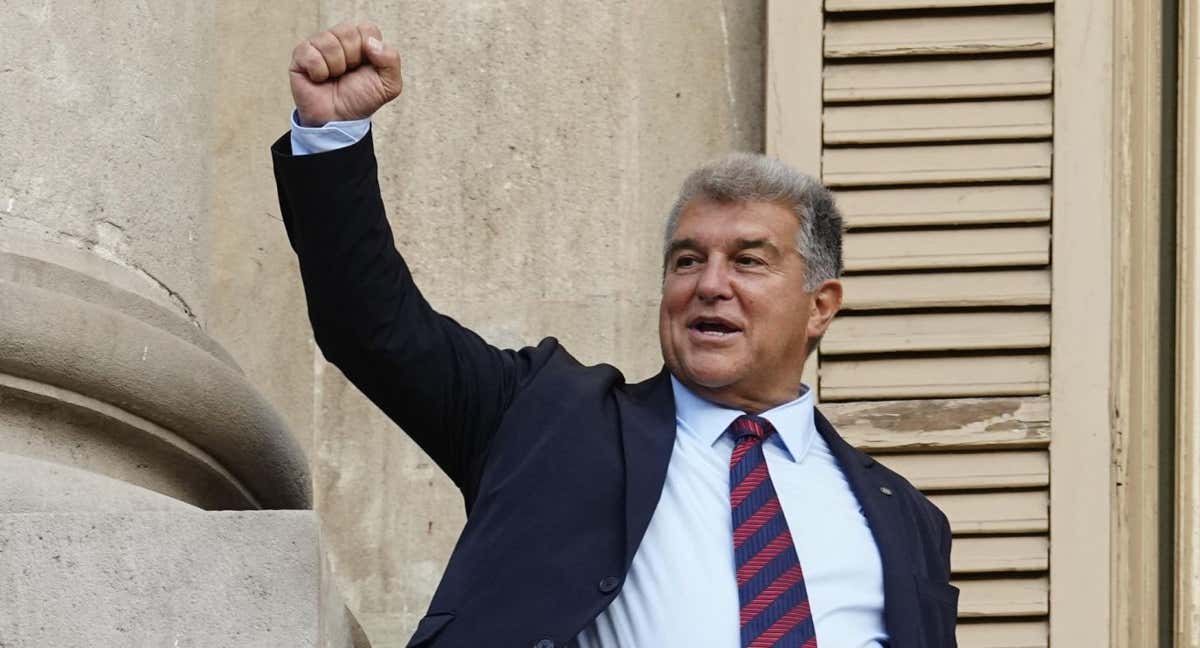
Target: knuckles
307, 58
330, 54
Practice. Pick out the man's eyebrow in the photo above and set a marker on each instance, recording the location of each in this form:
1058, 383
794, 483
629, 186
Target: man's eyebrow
682, 244
751, 244
739, 245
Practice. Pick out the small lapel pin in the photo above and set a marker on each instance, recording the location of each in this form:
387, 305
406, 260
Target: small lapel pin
885, 490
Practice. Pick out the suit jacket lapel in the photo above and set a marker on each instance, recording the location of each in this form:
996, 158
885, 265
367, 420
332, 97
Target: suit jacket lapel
893, 532
647, 419
647, 415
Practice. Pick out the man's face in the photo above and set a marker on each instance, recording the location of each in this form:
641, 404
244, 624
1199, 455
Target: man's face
735, 319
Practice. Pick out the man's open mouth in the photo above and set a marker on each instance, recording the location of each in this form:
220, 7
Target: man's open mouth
713, 326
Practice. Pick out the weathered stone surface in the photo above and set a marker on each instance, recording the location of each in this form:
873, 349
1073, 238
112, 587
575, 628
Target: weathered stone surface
106, 137
147, 398
104, 212
33, 486
159, 579
256, 306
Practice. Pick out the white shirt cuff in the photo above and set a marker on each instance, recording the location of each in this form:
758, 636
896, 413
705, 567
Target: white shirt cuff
333, 135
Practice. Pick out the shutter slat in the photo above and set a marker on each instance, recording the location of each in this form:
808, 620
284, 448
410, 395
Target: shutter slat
936, 332
938, 122
947, 290
999, 555
953, 248
938, 79
1003, 597
972, 471
942, 163
1019, 634
944, 205
873, 5
943, 424
891, 378
1003, 512
919, 35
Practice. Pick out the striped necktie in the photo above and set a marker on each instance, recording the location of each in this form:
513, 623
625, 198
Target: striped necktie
774, 602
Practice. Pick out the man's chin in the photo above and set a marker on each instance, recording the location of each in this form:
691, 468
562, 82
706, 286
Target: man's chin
710, 379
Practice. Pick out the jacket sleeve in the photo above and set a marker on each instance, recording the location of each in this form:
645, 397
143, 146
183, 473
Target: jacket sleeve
445, 386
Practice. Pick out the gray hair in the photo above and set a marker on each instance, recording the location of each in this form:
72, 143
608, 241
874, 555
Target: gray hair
751, 177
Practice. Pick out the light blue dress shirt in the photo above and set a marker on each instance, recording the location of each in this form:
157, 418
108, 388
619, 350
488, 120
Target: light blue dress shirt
307, 140
681, 590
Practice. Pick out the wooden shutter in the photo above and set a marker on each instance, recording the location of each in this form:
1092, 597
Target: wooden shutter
936, 136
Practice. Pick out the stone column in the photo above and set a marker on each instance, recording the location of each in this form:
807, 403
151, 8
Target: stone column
104, 190
124, 426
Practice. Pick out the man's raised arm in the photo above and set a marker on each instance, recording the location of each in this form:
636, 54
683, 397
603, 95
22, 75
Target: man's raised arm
444, 385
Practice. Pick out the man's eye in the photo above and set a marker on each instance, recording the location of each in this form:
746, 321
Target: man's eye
685, 262
749, 261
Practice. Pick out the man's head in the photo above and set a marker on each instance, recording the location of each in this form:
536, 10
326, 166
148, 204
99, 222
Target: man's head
752, 254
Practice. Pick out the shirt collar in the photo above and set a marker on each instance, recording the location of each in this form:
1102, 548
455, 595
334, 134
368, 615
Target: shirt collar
708, 421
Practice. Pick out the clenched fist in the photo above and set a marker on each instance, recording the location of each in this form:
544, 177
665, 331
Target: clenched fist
343, 73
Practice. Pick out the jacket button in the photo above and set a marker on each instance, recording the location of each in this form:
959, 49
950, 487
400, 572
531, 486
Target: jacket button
609, 584
544, 643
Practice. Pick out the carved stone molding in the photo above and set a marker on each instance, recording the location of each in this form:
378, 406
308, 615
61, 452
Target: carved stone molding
110, 380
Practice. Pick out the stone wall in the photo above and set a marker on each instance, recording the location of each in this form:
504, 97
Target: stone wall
135, 455
526, 168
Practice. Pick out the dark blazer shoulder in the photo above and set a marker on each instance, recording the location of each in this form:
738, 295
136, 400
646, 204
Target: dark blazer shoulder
857, 458
931, 523
924, 509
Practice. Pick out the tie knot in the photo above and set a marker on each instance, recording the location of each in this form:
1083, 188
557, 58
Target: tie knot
750, 426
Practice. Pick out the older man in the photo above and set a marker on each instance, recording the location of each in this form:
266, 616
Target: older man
710, 505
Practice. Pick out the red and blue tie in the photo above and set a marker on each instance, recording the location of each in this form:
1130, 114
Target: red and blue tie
770, 582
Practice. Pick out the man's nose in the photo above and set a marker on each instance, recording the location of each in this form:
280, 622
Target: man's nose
714, 282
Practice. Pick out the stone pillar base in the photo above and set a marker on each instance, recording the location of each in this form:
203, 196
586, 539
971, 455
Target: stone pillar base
192, 579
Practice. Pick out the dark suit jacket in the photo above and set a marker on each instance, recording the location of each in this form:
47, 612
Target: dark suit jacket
561, 465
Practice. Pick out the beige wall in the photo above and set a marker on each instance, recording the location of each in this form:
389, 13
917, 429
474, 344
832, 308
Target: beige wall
527, 168
113, 93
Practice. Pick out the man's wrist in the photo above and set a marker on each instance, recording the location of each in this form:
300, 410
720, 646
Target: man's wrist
299, 120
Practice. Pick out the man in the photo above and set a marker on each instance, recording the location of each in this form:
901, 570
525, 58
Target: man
708, 506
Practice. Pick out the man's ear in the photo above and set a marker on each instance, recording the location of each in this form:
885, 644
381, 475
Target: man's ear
827, 300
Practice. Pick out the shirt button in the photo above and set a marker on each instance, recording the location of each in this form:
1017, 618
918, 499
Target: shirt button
609, 584
544, 643
885, 490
